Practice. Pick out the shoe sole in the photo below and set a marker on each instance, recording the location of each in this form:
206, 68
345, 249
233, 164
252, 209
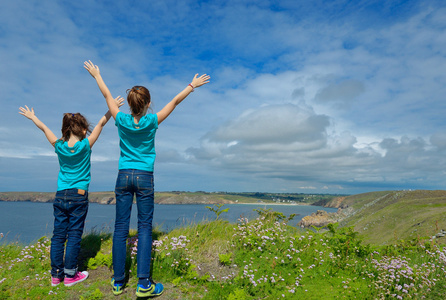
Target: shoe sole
156, 295
71, 284
146, 295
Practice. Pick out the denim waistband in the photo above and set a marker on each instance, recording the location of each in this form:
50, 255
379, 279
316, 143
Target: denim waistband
71, 192
134, 172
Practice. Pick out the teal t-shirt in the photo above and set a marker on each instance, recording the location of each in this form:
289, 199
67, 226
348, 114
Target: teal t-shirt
137, 141
74, 165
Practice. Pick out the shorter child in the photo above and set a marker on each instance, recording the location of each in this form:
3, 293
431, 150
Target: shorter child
71, 200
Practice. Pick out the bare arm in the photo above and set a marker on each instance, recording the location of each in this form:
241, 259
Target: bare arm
168, 109
93, 137
111, 103
31, 115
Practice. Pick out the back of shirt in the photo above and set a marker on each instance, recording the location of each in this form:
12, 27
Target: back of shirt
74, 165
137, 141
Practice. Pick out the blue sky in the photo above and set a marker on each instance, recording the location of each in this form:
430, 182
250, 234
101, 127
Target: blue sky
305, 96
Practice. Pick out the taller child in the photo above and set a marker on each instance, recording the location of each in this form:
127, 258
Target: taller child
137, 142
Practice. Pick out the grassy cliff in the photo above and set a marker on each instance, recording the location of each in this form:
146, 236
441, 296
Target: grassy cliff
263, 258
389, 216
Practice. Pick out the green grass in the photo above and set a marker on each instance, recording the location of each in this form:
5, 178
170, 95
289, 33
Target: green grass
387, 217
264, 258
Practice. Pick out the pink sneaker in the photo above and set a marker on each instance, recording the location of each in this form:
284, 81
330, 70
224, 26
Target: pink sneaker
55, 281
79, 277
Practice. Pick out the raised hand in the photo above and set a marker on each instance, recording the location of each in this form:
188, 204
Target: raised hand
120, 101
27, 112
91, 68
199, 81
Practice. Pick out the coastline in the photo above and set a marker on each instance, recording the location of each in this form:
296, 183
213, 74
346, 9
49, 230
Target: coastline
166, 198
264, 203
178, 203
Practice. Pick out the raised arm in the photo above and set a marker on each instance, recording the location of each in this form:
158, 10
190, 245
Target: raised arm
111, 103
168, 109
31, 115
93, 137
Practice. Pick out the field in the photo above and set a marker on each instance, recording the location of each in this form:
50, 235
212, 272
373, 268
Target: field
264, 258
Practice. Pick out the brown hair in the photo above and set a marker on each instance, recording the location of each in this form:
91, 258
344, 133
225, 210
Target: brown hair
138, 97
74, 124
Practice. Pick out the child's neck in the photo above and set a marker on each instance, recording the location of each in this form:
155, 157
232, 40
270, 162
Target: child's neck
136, 118
72, 140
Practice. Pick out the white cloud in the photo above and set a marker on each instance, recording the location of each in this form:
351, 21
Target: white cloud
285, 124
342, 93
296, 147
336, 96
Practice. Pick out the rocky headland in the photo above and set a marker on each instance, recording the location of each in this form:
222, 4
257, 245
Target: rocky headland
322, 218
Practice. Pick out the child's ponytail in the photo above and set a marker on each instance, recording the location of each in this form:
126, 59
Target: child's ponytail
138, 97
75, 124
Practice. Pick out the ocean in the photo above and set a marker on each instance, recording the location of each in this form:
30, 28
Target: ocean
26, 222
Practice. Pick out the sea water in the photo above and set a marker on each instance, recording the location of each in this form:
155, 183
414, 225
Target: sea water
26, 222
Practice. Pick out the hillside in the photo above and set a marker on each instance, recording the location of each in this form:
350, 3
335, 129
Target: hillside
95, 197
185, 197
261, 258
390, 216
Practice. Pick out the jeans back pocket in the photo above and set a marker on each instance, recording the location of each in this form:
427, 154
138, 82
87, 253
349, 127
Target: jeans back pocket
144, 183
122, 182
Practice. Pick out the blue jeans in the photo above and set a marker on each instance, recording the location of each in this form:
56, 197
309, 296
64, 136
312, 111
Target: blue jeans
129, 183
70, 210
